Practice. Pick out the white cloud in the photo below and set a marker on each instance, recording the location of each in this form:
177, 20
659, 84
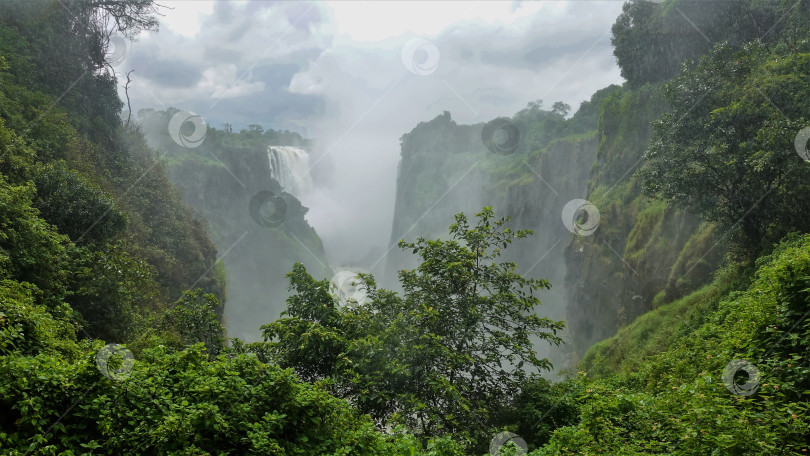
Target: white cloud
223, 81
270, 61
184, 17
375, 21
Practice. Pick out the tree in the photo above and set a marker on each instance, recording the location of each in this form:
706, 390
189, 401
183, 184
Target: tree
542, 407
195, 319
726, 150
68, 44
256, 129
110, 288
444, 357
85, 213
31, 250
651, 40
561, 109
99, 20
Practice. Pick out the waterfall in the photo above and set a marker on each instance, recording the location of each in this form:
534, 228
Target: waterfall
290, 167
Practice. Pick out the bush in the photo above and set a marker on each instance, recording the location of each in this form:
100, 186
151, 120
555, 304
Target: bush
195, 318
677, 401
84, 213
30, 249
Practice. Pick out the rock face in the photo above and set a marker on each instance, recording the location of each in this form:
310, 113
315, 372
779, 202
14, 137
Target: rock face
439, 175
259, 228
639, 252
559, 174
257, 254
446, 168
644, 253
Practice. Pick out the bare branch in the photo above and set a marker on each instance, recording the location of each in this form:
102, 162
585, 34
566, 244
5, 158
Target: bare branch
126, 91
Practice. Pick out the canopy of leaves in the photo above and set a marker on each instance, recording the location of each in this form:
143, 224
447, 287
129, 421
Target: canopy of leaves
84, 213
95, 180
652, 39
727, 149
447, 356
676, 401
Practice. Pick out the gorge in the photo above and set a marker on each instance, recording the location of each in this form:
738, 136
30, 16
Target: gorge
350, 237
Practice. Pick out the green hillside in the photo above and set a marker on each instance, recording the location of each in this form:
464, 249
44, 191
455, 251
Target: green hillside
677, 323
659, 386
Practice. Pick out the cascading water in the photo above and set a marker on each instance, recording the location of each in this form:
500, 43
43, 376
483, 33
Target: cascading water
290, 167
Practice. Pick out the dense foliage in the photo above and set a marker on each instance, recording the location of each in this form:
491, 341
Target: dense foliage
446, 357
172, 402
96, 247
731, 133
652, 39
676, 400
95, 179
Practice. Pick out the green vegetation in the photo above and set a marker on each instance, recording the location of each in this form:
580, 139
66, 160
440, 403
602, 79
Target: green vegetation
172, 402
731, 132
98, 247
652, 40
663, 392
72, 147
431, 359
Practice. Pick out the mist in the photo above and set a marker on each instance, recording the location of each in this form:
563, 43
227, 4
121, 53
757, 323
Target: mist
404, 228
334, 72
352, 79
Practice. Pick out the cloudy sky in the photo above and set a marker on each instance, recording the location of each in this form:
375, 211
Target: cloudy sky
355, 76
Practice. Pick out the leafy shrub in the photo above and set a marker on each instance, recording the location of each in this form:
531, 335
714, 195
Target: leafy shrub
65, 199
112, 291
677, 402
183, 403
30, 249
29, 329
195, 318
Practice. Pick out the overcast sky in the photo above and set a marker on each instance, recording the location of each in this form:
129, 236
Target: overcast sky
355, 76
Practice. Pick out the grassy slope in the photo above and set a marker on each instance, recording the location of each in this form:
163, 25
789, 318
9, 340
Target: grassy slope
643, 253
657, 386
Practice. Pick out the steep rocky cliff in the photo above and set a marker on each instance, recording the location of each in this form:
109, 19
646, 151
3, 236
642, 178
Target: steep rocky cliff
638, 254
527, 167
259, 228
643, 253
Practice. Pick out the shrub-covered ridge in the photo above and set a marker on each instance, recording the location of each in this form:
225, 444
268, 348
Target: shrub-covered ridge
677, 401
